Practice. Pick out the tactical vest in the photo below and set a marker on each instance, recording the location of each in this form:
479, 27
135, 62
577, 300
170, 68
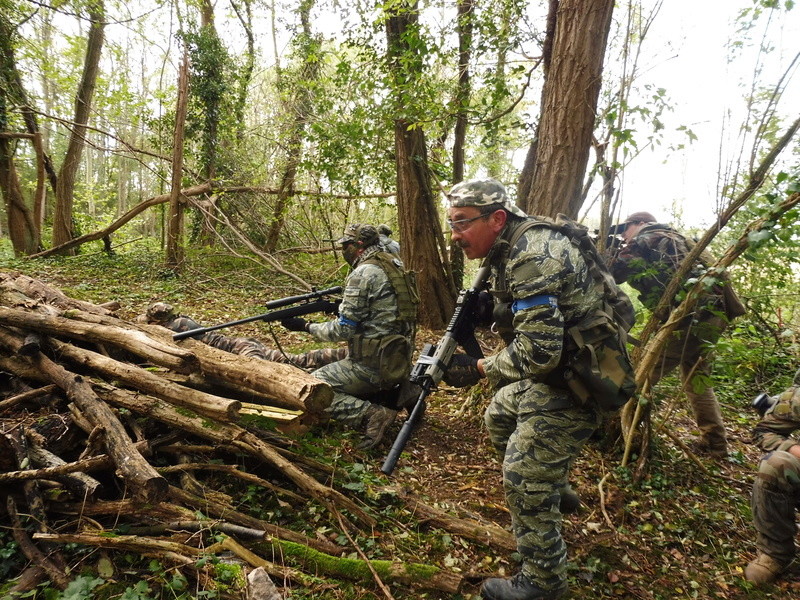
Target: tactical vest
595, 364
391, 355
402, 281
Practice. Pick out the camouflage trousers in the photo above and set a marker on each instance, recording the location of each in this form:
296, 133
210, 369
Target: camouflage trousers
539, 431
776, 496
690, 350
351, 382
314, 359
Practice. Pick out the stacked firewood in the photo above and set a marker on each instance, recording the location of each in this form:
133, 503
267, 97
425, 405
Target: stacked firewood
108, 424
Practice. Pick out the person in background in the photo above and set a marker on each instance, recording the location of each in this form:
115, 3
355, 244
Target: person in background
776, 489
387, 243
647, 259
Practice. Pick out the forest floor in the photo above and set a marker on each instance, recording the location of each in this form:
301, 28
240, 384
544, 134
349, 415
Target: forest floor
683, 531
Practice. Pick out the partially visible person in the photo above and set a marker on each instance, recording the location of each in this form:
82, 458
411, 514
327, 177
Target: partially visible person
164, 314
377, 319
542, 286
776, 489
647, 260
387, 243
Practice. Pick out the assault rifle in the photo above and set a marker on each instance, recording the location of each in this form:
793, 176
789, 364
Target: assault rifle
306, 304
434, 360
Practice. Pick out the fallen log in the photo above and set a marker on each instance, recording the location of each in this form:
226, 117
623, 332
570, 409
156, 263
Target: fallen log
40, 291
237, 437
289, 386
141, 379
131, 466
135, 342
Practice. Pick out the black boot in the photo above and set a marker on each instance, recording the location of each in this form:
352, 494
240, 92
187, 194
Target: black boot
570, 501
518, 587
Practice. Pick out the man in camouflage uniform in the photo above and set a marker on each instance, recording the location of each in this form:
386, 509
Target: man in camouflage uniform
541, 285
647, 260
377, 319
776, 489
162, 313
387, 243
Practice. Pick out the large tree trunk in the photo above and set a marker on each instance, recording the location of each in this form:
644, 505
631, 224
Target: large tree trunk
552, 178
420, 224
62, 223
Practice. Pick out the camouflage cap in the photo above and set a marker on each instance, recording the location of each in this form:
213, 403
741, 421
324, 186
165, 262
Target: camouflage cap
160, 312
359, 232
482, 192
384, 229
637, 217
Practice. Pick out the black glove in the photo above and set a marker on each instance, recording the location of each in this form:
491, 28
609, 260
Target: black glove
484, 309
295, 324
463, 371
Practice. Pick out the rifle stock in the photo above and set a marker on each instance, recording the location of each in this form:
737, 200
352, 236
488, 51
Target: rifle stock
306, 304
434, 360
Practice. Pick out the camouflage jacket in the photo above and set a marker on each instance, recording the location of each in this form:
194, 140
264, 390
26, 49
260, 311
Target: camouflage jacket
649, 261
774, 431
369, 306
545, 274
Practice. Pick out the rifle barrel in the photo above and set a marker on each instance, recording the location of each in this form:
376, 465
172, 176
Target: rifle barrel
281, 302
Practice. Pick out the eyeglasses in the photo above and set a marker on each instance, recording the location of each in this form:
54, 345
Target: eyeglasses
462, 225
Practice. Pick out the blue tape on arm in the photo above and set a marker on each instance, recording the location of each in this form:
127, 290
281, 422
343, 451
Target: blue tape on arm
532, 301
345, 321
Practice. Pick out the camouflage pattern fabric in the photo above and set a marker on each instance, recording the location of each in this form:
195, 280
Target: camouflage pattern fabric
650, 259
538, 429
776, 489
368, 309
313, 359
647, 263
389, 245
163, 314
236, 345
483, 192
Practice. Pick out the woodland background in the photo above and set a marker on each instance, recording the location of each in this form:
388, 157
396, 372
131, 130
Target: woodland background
205, 153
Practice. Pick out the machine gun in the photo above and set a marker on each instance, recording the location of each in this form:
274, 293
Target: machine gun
305, 304
434, 360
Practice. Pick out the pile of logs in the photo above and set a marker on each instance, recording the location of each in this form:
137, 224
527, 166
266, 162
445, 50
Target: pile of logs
107, 423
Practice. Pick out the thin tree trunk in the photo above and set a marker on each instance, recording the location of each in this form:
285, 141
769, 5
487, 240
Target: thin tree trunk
465, 29
300, 106
63, 229
174, 258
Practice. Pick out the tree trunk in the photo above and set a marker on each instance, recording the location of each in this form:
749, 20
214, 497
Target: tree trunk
552, 177
21, 225
420, 226
174, 258
63, 229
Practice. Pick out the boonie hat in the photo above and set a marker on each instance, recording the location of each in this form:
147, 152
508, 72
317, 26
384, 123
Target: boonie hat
482, 192
637, 217
359, 232
160, 311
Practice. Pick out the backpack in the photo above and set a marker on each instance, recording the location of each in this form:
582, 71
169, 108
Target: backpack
595, 364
